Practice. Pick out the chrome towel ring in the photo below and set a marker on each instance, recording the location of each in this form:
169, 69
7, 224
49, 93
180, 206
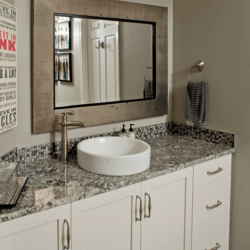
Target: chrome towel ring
200, 66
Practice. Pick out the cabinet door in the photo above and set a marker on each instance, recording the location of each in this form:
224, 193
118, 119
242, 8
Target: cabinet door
107, 221
43, 230
169, 223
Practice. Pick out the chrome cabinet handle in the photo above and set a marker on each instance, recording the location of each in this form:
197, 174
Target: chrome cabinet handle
101, 45
68, 234
149, 206
215, 172
216, 247
139, 219
214, 206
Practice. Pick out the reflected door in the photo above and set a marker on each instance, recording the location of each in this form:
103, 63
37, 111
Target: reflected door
103, 43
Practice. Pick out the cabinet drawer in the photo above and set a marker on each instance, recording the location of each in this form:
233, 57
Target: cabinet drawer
211, 195
212, 170
216, 235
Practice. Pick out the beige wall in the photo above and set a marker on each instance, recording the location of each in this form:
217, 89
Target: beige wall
135, 47
218, 33
22, 135
10, 1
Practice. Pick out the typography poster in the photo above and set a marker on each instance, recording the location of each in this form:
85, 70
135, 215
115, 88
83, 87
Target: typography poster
8, 66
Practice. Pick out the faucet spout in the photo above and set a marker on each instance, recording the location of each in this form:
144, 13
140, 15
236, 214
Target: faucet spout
75, 124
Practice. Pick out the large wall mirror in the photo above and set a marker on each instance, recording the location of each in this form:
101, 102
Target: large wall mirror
106, 60
100, 60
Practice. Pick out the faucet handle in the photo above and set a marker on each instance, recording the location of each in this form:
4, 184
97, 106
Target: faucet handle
65, 114
68, 113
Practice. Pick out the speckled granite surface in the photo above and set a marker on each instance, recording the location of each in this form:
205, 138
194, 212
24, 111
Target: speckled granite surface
52, 184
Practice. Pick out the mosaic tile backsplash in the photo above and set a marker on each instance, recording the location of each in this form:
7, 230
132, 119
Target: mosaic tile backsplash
203, 133
10, 156
53, 149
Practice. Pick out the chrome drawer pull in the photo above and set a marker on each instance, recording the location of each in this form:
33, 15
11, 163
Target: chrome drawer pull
68, 234
215, 172
149, 206
216, 247
214, 206
140, 207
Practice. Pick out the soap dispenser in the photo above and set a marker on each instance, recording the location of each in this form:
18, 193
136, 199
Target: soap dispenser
123, 132
131, 133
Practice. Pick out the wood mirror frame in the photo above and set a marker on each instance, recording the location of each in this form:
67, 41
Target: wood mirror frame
45, 118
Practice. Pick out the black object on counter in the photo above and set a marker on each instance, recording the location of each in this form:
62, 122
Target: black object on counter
21, 182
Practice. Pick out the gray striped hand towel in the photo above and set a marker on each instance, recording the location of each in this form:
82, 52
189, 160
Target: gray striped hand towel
148, 90
196, 103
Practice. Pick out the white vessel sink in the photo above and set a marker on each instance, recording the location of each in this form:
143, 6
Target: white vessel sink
113, 155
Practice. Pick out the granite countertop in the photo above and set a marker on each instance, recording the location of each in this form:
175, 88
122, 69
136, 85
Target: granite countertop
52, 183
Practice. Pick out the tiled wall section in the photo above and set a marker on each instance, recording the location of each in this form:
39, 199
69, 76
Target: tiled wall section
51, 150
203, 133
10, 156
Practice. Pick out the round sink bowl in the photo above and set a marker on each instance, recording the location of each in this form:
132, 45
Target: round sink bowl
113, 155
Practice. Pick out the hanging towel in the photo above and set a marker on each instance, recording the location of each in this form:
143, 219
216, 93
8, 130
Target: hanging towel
148, 91
196, 102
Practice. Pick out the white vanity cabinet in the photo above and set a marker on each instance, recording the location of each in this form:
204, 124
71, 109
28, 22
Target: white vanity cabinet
185, 210
39, 231
118, 219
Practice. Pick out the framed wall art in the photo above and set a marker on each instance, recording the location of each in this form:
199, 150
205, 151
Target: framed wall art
8, 67
64, 67
62, 33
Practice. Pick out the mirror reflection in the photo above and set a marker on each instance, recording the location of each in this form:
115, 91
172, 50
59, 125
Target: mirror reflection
101, 61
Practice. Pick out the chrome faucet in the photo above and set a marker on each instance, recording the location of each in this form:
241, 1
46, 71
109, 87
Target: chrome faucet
64, 141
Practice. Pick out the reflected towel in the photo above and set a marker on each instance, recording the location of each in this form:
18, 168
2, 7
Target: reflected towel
148, 91
196, 103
